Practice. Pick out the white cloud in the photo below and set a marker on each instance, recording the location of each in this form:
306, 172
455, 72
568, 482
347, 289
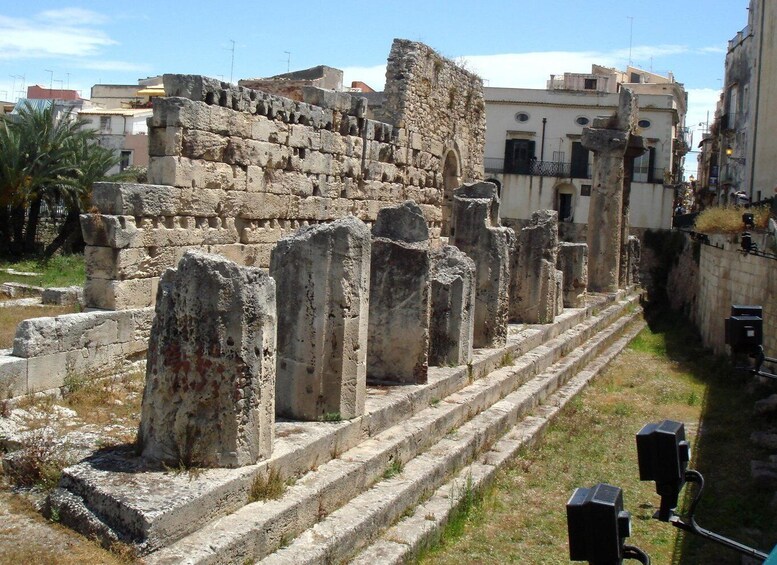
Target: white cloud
73, 16
43, 37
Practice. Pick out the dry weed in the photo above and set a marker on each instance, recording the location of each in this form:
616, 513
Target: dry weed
728, 219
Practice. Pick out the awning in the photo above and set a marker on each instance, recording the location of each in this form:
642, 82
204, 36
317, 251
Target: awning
152, 91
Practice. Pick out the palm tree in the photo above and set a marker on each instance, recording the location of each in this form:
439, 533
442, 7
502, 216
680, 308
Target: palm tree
44, 158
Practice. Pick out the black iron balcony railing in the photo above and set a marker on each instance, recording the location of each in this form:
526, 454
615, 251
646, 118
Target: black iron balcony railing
533, 167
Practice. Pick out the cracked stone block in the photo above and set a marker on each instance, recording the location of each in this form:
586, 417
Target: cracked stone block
398, 342
323, 278
209, 398
573, 262
533, 293
452, 307
478, 233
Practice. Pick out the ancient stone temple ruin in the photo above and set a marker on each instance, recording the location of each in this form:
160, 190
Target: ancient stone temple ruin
232, 170
313, 328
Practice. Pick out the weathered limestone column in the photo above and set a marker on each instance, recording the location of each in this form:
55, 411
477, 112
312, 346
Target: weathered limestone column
210, 374
323, 278
573, 262
533, 281
398, 342
635, 255
635, 148
453, 302
479, 235
608, 139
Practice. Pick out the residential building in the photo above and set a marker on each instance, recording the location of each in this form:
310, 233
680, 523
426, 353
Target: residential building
124, 130
534, 150
747, 121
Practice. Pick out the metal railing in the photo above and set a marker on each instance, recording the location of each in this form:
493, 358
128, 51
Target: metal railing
536, 168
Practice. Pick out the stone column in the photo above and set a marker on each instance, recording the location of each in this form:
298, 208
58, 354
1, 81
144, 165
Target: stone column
453, 302
635, 148
635, 254
533, 278
210, 373
479, 235
573, 262
608, 139
323, 278
398, 343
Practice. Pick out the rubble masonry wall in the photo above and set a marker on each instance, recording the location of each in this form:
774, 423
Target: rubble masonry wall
232, 170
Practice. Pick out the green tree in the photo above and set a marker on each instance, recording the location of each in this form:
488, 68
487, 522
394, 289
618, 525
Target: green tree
44, 159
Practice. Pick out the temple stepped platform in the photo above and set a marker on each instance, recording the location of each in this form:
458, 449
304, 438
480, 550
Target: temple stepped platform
374, 489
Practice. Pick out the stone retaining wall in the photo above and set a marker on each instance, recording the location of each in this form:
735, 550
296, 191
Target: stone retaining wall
232, 170
727, 276
48, 351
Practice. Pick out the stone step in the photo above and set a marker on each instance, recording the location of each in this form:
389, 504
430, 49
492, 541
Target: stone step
114, 495
259, 528
404, 540
339, 535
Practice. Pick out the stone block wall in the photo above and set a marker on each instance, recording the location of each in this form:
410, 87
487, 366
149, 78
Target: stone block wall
48, 351
727, 276
232, 170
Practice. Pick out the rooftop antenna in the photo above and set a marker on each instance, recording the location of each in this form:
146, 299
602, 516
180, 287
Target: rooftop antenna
288, 61
68, 80
631, 34
232, 66
51, 80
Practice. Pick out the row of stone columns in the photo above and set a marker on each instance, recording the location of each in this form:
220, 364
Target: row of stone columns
347, 304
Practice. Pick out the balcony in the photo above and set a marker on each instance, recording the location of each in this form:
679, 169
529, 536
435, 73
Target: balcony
536, 168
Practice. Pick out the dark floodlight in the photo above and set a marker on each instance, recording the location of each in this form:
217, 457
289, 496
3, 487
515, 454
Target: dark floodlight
597, 524
744, 329
748, 220
663, 456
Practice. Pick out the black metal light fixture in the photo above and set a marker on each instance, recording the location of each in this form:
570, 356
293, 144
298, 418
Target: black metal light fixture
598, 526
663, 456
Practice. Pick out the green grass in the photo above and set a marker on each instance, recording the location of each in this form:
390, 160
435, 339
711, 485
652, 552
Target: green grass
60, 270
665, 374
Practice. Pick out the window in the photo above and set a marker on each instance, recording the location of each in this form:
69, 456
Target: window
522, 117
589, 84
585, 190
579, 167
643, 167
518, 156
644, 124
105, 123
125, 160
635, 78
582, 121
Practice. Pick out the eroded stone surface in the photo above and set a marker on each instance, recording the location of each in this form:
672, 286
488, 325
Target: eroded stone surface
533, 293
480, 235
323, 275
609, 140
452, 307
398, 345
209, 396
573, 262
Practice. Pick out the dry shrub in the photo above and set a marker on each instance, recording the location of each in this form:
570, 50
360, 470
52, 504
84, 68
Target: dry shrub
39, 462
728, 219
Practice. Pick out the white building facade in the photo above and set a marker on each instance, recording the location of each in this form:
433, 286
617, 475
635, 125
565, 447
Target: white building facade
533, 148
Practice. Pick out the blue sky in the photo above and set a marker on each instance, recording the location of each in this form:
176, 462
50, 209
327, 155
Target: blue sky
515, 43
